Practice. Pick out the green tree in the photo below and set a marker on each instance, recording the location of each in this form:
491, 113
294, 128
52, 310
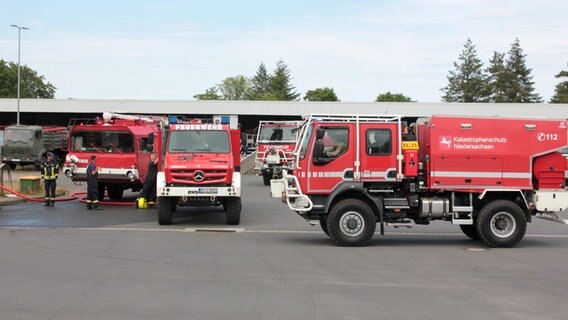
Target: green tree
498, 78
321, 94
235, 88
260, 84
32, 85
392, 97
467, 83
561, 91
280, 87
520, 85
210, 94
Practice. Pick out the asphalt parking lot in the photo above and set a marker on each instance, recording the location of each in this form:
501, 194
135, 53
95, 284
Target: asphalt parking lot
69, 263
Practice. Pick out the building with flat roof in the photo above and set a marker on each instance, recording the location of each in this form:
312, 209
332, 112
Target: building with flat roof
59, 111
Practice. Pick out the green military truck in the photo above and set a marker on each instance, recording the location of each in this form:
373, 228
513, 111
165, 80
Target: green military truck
28, 144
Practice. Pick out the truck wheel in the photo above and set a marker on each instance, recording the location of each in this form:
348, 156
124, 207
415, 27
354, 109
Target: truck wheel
102, 188
351, 223
165, 215
501, 224
470, 231
266, 177
233, 214
115, 192
323, 224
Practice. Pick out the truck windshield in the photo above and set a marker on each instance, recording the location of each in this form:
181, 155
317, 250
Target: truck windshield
277, 133
102, 141
18, 135
200, 141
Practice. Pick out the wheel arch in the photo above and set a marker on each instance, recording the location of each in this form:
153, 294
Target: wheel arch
515, 195
353, 191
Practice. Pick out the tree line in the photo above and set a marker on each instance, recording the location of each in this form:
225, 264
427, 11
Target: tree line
506, 79
32, 85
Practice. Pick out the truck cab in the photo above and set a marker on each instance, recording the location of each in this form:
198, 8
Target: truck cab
275, 142
121, 145
25, 144
201, 166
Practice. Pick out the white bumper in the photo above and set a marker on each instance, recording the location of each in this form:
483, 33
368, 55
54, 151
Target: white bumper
234, 190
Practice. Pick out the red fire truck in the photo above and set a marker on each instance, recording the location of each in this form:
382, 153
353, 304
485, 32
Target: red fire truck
121, 145
201, 166
490, 176
275, 142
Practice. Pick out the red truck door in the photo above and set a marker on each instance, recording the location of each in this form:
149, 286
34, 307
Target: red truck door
334, 163
378, 150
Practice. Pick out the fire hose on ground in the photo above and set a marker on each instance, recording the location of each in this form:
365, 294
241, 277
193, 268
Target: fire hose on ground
74, 196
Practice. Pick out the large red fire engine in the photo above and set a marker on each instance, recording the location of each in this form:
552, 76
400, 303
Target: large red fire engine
487, 175
121, 145
275, 142
201, 165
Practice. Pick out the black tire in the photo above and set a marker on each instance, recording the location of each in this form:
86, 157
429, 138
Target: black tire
224, 204
470, 231
351, 223
233, 214
266, 177
115, 192
323, 224
102, 188
501, 224
165, 214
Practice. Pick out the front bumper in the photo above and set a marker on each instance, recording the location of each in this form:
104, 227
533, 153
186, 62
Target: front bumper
163, 190
80, 174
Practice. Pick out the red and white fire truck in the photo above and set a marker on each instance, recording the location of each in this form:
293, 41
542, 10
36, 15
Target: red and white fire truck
490, 176
120, 143
275, 142
201, 166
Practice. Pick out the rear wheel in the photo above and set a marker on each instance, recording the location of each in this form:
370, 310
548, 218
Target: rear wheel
233, 214
501, 224
351, 222
102, 188
115, 192
165, 215
470, 231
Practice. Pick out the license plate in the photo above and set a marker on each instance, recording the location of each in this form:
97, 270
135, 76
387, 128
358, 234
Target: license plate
207, 190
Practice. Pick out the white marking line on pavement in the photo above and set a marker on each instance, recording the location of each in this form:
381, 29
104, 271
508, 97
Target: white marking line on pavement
243, 230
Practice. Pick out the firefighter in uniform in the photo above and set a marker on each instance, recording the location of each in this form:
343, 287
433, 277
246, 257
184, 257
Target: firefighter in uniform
49, 168
93, 185
149, 188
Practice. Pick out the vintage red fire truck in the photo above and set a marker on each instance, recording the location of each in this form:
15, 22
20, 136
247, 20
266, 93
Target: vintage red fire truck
275, 142
121, 145
490, 176
201, 166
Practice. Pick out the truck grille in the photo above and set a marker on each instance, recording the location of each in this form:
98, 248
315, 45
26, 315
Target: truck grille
198, 176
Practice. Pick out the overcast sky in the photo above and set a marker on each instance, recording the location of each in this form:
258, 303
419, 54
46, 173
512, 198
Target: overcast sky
172, 50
